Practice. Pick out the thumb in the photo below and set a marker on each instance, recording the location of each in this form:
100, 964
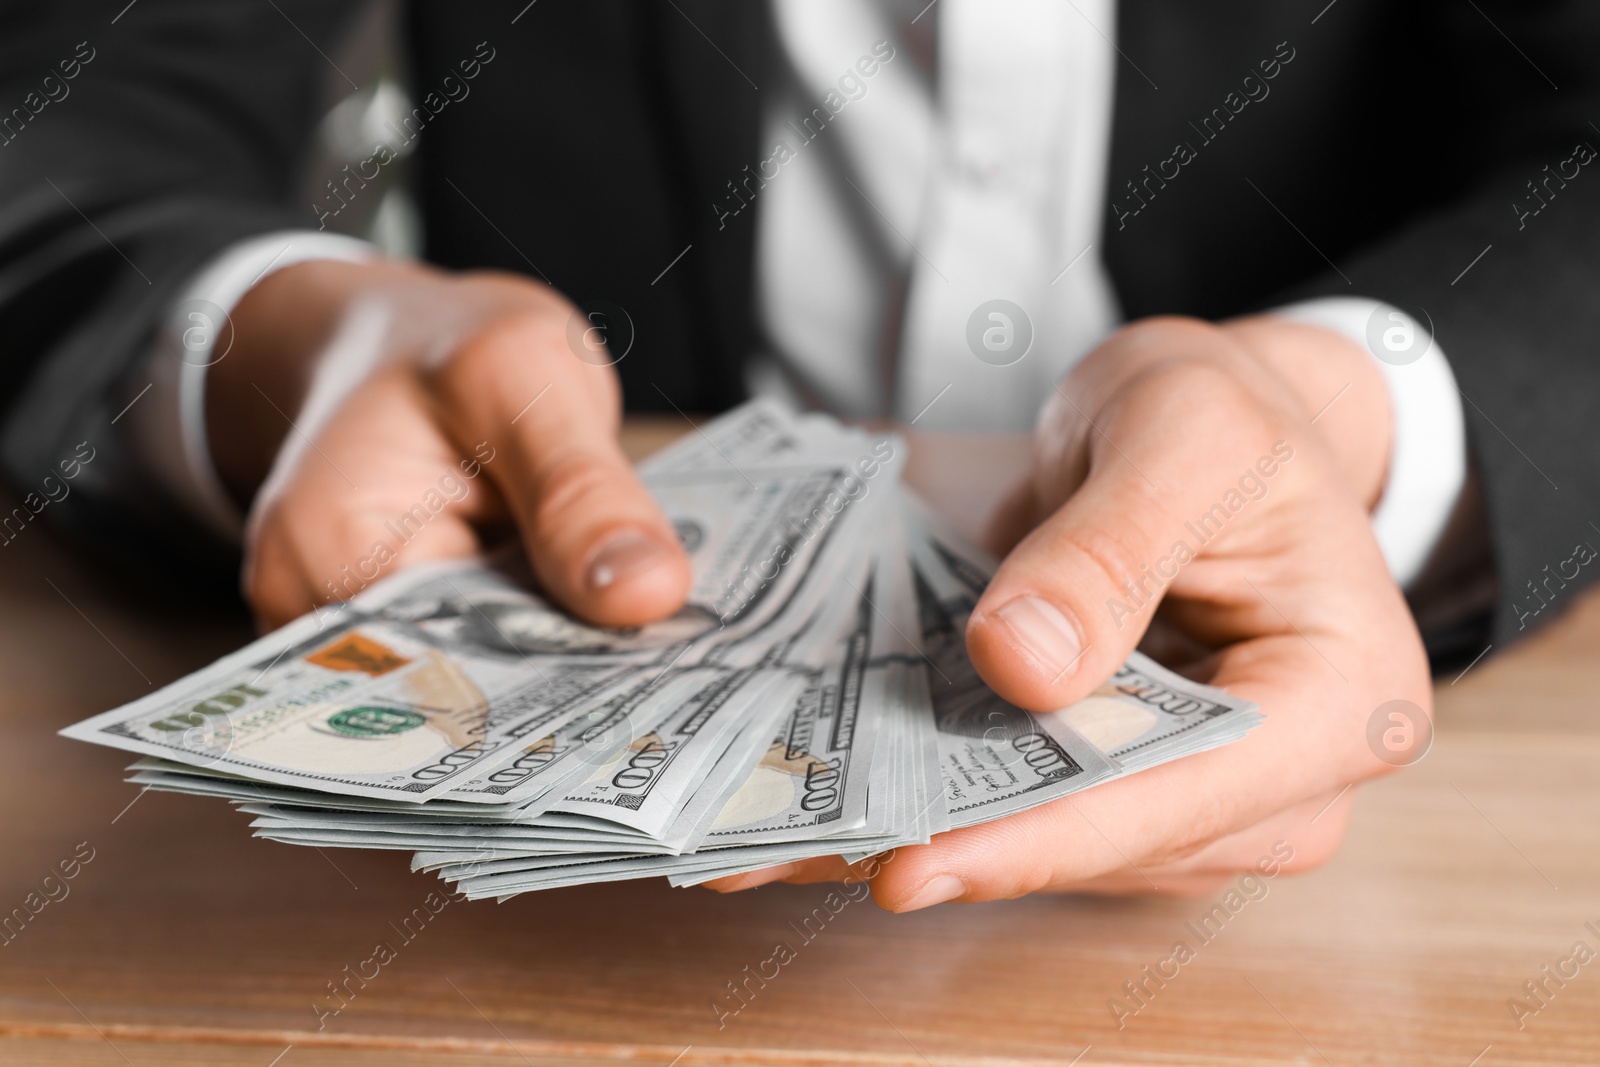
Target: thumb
596, 538
1075, 597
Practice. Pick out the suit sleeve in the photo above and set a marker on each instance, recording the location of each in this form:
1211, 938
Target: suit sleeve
1509, 274
134, 147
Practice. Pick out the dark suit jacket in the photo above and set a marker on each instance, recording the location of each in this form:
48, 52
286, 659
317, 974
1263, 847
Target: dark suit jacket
1394, 143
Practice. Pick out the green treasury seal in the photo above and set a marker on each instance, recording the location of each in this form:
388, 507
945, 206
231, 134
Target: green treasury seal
374, 722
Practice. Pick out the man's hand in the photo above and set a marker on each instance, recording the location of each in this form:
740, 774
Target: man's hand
415, 409
1203, 491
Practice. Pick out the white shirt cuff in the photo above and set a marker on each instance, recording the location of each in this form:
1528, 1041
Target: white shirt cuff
168, 430
1428, 460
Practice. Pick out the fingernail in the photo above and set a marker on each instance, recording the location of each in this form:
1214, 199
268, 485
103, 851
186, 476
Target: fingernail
1041, 631
939, 889
623, 556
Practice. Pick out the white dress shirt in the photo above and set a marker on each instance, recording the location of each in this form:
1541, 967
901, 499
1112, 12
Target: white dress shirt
909, 193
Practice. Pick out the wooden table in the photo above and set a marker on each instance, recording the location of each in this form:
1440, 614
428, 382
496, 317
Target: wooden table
186, 941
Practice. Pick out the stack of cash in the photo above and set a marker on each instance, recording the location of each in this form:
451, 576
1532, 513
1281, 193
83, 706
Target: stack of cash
814, 698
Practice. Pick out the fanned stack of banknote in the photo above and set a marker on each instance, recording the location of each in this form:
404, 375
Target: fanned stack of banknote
813, 699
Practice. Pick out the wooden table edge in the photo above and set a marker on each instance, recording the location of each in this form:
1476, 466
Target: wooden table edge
524, 1047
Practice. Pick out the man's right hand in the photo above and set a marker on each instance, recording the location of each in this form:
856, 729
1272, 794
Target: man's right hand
372, 416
